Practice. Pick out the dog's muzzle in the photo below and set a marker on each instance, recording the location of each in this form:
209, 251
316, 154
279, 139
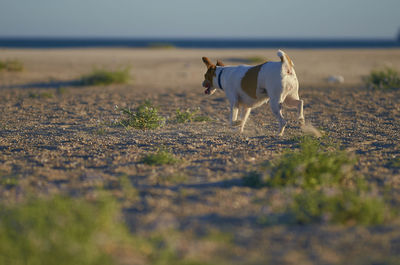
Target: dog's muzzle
207, 85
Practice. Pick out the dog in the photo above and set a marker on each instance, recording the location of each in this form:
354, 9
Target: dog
248, 87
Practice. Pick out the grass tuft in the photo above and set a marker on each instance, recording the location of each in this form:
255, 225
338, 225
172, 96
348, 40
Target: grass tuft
41, 95
327, 188
61, 231
145, 117
394, 163
161, 157
254, 179
386, 78
311, 166
66, 231
345, 207
12, 65
104, 77
8, 181
183, 116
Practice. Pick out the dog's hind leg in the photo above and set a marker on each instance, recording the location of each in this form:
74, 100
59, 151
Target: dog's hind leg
277, 110
296, 103
245, 116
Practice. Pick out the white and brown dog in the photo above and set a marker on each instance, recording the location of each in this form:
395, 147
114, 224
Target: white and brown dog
249, 87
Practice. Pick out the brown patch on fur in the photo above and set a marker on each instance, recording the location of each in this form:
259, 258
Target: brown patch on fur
289, 63
249, 81
209, 76
289, 60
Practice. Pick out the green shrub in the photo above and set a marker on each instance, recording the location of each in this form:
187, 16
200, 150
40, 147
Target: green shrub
161, 157
11, 66
100, 131
201, 118
386, 78
189, 116
349, 206
184, 116
394, 163
311, 166
40, 95
68, 231
254, 179
9, 181
105, 77
130, 193
60, 231
145, 117
327, 187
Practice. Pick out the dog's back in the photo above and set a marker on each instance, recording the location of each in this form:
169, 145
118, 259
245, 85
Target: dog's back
254, 84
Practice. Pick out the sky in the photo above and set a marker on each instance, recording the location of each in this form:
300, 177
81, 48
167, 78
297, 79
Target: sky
198, 19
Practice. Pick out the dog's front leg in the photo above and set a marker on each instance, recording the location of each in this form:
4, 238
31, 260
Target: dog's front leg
277, 110
234, 115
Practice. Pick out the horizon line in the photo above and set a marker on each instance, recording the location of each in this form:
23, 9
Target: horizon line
395, 38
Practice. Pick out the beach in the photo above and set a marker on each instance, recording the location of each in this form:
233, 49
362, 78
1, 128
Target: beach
153, 67
60, 138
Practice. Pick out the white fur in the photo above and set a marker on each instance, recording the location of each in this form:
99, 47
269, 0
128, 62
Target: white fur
278, 79
280, 53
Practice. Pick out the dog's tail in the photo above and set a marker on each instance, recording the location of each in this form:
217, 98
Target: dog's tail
286, 61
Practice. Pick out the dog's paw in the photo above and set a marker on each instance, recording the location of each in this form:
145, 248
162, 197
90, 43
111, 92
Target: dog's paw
281, 131
236, 123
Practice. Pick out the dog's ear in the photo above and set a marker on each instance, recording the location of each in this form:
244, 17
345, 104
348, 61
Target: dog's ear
219, 63
207, 62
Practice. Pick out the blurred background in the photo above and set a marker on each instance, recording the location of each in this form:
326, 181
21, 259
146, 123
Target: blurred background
224, 23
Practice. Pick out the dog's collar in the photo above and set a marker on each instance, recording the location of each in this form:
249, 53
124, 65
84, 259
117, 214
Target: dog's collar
219, 78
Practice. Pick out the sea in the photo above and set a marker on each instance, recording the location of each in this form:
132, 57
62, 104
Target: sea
195, 43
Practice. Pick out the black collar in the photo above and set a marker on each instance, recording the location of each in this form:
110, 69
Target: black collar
219, 78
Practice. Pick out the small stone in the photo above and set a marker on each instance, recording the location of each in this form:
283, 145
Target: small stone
335, 79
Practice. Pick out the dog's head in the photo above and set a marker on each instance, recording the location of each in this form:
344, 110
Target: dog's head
208, 82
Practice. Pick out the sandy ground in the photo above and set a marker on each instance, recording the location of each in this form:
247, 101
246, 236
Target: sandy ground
66, 143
